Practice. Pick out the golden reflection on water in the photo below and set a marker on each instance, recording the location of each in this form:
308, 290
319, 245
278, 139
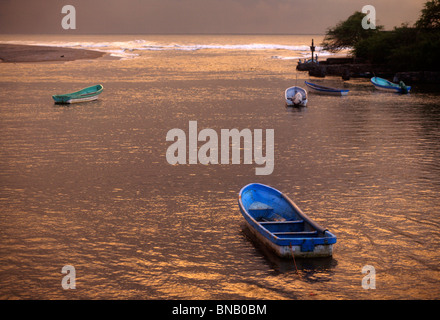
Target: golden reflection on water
89, 184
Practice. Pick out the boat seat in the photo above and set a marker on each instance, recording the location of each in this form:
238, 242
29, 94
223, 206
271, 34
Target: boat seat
260, 210
297, 234
282, 222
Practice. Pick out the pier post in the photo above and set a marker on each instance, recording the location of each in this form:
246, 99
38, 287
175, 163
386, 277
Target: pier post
312, 48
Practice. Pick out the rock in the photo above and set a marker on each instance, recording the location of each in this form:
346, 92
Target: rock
306, 66
346, 75
318, 71
417, 77
355, 68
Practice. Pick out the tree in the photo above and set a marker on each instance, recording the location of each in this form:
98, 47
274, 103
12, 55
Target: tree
430, 18
347, 33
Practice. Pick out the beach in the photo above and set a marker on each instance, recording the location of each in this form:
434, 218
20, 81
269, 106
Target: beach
27, 53
89, 185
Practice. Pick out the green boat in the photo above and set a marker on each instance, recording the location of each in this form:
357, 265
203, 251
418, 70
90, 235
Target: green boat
87, 94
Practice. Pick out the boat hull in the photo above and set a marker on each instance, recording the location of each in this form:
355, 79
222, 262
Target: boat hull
302, 104
281, 226
329, 93
69, 100
326, 90
289, 251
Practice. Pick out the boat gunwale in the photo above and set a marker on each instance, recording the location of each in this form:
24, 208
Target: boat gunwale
301, 89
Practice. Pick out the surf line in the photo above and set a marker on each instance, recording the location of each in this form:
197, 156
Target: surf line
230, 139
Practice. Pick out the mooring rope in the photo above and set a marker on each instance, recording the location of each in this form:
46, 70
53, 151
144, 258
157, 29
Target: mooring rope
294, 262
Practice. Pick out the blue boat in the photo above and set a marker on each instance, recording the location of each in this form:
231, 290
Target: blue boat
385, 85
326, 90
278, 223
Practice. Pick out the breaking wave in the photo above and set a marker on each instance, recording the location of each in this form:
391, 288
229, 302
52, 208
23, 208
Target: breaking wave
128, 49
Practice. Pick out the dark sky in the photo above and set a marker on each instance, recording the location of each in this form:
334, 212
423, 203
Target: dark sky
198, 16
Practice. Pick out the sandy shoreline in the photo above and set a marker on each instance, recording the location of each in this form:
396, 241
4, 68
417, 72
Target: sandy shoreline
29, 53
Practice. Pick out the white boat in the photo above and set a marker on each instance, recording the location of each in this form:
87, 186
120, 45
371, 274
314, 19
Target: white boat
296, 96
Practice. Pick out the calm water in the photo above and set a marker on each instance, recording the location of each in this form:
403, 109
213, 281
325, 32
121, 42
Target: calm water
88, 185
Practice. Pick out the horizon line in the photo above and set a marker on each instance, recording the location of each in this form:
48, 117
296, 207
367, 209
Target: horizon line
157, 33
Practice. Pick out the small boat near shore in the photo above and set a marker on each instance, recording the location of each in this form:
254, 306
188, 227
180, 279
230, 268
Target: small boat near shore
86, 94
279, 224
385, 85
296, 96
326, 90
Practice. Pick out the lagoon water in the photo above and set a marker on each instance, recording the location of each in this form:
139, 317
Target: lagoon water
88, 185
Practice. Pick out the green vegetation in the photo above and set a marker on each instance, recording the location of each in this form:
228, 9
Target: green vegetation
406, 48
347, 33
430, 18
